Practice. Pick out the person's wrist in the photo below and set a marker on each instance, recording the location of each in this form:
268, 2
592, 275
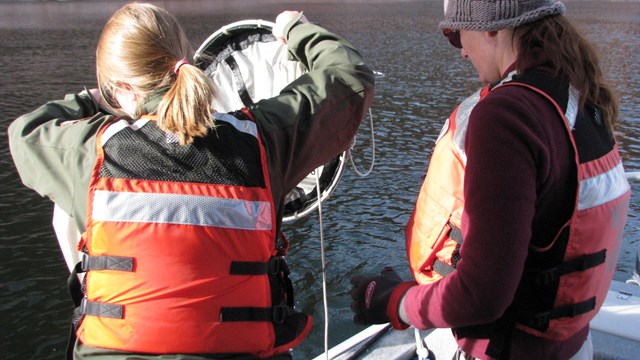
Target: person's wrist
285, 21
393, 306
299, 19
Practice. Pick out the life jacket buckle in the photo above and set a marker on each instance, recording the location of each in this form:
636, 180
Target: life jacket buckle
546, 277
281, 312
82, 309
84, 262
539, 321
276, 265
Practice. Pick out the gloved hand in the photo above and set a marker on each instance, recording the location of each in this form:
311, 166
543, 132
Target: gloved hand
376, 298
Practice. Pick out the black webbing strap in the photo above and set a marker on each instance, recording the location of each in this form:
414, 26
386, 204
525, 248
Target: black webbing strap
499, 346
500, 340
274, 266
443, 268
278, 271
498, 332
75, 290
276, 314
89, 262
237, 77
83, 306
74, 285
101, 309
106, 262
71, 343
540, 321
288, 286
551, 275
455, 234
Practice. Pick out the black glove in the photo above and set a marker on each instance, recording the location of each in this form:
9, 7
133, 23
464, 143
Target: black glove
370, 294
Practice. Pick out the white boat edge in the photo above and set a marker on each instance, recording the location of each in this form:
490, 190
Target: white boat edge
615, 333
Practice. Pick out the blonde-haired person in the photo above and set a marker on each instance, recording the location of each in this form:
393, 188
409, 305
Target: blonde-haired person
515, 234
124, 72
181, 206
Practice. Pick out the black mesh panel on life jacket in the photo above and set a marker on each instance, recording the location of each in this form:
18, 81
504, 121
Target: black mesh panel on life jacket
591, 132
224, 156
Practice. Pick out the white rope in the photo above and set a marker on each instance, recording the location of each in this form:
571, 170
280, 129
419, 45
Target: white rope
633, 175
324, 272
373, 150
421, 348
322, 250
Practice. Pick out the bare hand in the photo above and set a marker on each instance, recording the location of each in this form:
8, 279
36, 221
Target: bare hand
282, 20
96, 95
102, 104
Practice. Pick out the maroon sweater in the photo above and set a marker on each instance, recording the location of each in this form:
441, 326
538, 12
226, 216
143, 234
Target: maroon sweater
520, 187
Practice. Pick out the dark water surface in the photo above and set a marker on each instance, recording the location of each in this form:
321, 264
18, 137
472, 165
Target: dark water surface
47, 50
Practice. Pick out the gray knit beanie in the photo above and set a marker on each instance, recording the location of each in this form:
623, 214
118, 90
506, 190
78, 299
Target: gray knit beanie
492, 15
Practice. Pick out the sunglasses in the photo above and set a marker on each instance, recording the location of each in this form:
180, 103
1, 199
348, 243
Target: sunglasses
108, 93
107, 90
453, 36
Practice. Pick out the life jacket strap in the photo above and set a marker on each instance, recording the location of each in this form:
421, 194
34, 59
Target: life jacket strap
443, 268
101, 309
74, 286
540, 321
89, 262
455, 234
274, 266
276, 314
551, 275
84, 307
75, 290
105, 262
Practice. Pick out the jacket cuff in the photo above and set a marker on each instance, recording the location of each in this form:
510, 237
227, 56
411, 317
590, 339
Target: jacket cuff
292, 23
394, 302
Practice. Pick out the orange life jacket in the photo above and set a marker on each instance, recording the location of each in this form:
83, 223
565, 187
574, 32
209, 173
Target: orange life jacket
184, 267
594, 233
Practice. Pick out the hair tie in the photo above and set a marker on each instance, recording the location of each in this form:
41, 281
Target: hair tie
176, 69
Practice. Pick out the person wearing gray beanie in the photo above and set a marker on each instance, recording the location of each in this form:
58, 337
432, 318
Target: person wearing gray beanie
518, 221
486, 15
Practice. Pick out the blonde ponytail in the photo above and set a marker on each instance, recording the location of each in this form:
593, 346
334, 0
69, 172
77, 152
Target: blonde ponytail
185, 109
144, 46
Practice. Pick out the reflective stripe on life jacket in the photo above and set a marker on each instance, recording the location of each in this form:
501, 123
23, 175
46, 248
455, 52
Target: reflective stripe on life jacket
183, 267
574, 289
